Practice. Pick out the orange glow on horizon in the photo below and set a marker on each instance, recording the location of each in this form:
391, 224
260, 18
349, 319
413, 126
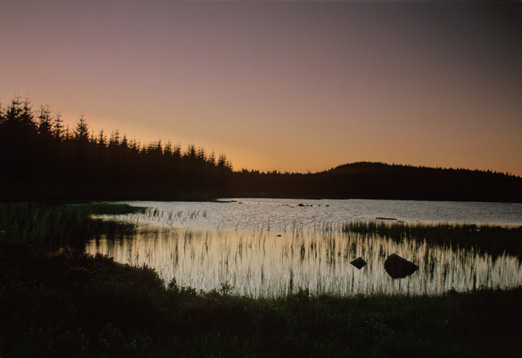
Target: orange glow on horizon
287, 86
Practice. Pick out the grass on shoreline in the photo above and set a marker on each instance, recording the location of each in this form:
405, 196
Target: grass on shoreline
72, 304
56, 301
56, 225
494, 240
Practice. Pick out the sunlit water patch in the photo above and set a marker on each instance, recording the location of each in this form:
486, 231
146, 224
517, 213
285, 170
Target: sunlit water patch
282, 214
278, 247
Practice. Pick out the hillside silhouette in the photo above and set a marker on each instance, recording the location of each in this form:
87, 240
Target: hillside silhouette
42, 159
364, 180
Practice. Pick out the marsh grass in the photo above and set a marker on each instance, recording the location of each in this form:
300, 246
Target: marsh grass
261, 263
152, 217
57, 224
495, 240
85, 306
66, 303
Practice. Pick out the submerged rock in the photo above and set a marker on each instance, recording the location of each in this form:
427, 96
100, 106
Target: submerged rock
359, 263
397, 267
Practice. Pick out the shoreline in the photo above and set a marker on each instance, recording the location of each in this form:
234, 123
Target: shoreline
85, 306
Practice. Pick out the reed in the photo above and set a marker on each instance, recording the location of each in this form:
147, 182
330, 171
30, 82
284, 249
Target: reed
57, 224
264, 264
495, 240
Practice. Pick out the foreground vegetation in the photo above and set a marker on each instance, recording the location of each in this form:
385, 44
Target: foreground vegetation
58, 301
70, 304
55, 225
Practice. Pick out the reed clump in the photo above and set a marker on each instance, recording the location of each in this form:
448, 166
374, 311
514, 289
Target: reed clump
56, 224
495, 240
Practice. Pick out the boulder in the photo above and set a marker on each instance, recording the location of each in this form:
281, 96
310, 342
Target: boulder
397, 267
359, 263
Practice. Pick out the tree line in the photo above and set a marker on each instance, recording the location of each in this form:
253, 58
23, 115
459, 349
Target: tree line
42, 158
39, 152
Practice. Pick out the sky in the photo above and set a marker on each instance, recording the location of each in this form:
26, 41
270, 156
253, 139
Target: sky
292, 86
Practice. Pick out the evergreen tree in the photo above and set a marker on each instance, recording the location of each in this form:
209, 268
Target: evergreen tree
124, 143
212, 158
191, 152
102, 139
114, 140
176, 151
27, 117
2, 115
201, 155
81, 131
168, 149
58, 127
45, 121
67, 134
14, 112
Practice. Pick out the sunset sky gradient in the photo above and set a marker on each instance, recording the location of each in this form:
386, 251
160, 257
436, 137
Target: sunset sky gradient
292, 86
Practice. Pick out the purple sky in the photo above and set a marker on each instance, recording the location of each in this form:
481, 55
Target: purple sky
292, 86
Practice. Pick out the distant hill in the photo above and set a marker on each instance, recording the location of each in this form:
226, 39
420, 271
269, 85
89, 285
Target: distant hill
385, 181
407, 182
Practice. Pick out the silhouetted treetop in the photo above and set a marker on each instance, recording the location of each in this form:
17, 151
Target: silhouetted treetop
81, 131
41, 158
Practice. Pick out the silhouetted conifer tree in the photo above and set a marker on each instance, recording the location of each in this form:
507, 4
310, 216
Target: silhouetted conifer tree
102, 139
81, 131
27, 117
45, 122
58, 127
168, 149
114, 140
212, 158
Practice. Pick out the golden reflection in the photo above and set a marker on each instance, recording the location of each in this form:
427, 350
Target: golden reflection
262, 264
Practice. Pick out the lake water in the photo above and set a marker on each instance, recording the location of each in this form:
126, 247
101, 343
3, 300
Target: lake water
269, 247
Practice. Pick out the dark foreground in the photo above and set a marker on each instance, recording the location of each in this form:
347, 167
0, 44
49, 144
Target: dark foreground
69, 304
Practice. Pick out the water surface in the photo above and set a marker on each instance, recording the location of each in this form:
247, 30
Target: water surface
270, 247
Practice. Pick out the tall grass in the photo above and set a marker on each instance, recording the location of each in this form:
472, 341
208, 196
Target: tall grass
91, 307
53, 225
264, 264
494, 240
71, 304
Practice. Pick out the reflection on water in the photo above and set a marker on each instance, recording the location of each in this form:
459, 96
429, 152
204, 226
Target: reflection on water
261, 262
269, 247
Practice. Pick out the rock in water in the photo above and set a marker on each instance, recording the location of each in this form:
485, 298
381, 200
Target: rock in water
359, 263
397, 267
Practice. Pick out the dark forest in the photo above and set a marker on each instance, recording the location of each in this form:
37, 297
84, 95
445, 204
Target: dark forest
43, 159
